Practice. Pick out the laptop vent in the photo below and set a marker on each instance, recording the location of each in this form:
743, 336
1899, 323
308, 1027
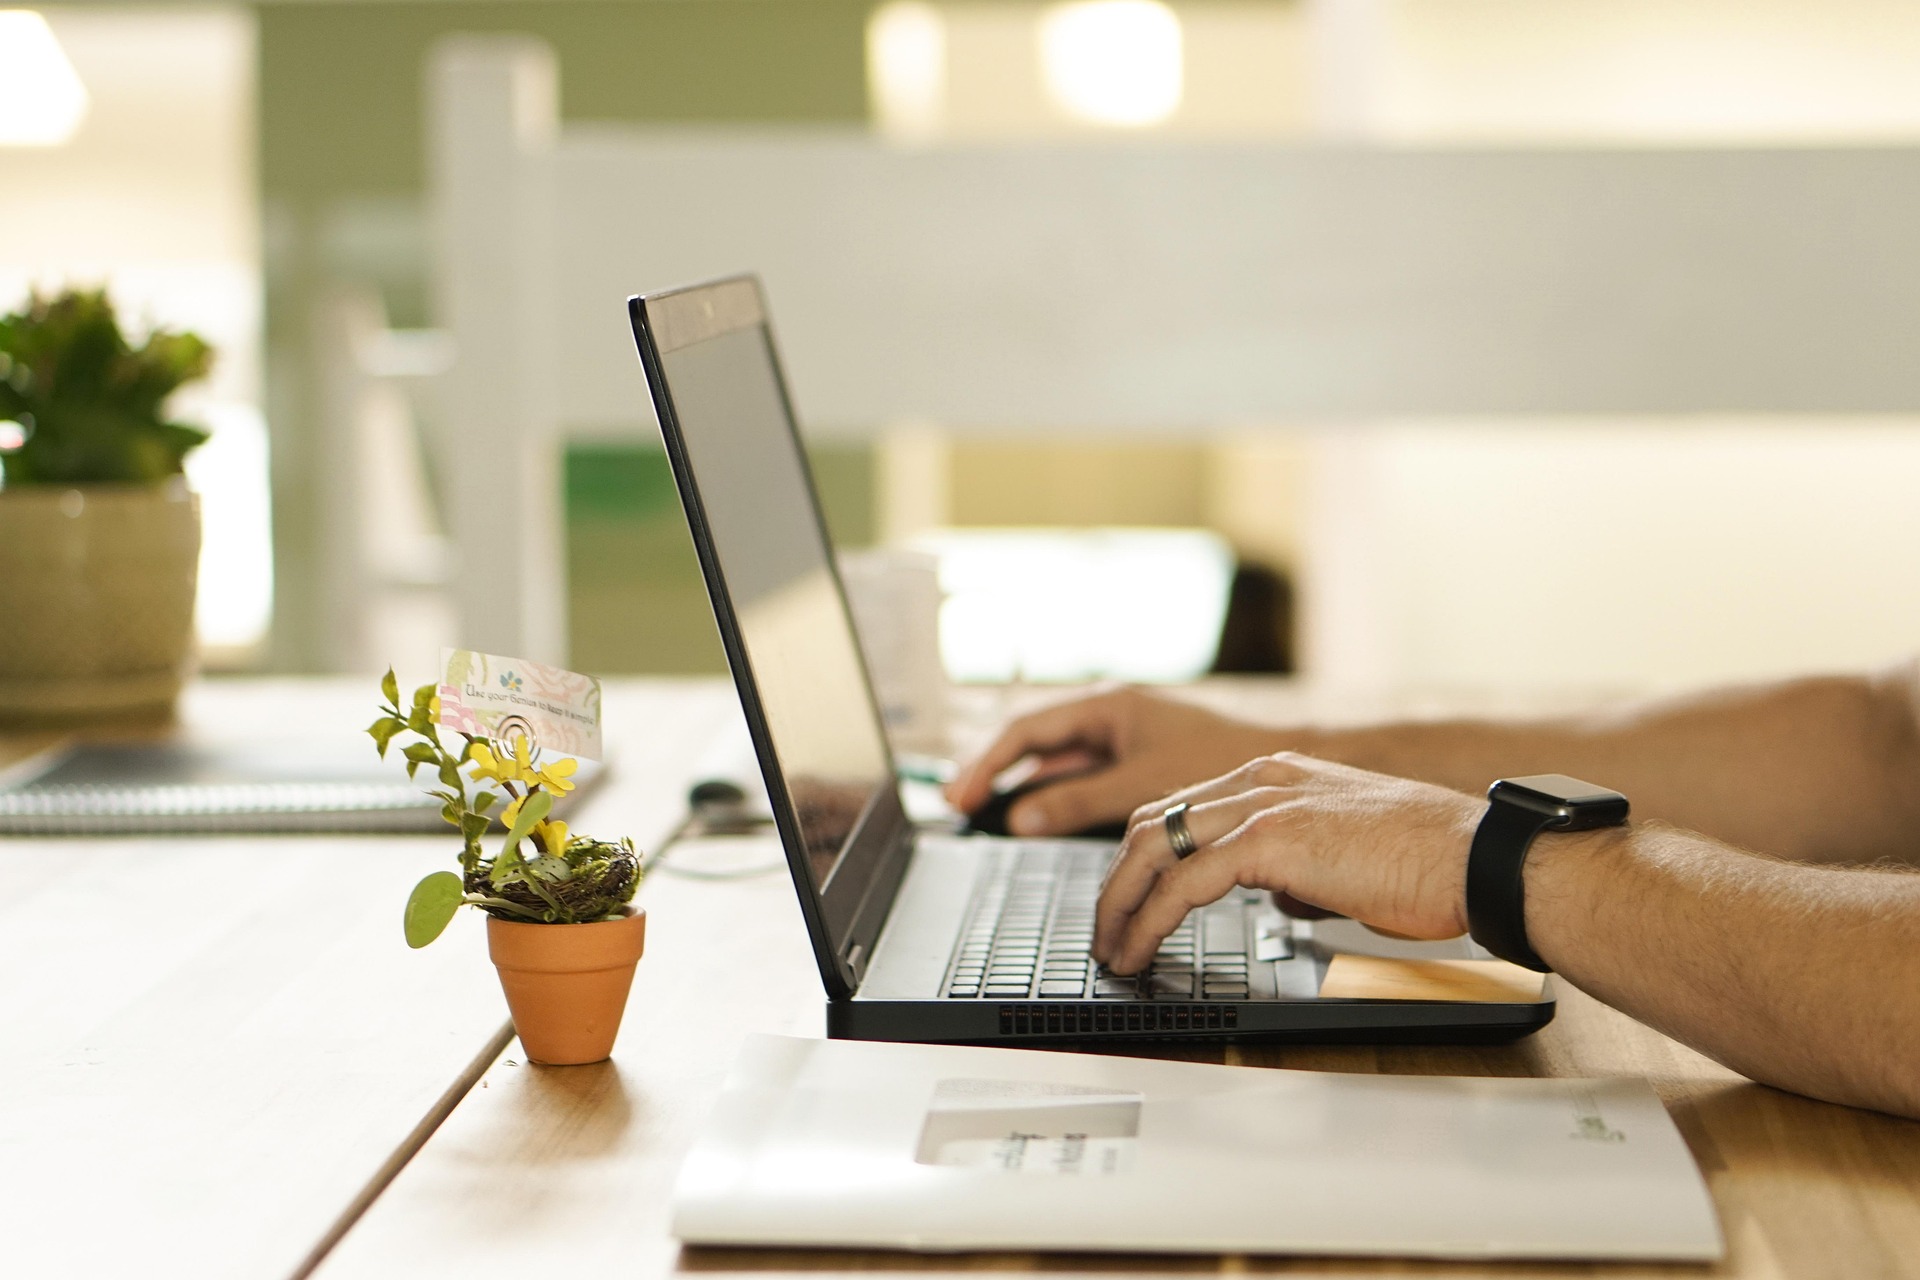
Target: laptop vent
1131, 1018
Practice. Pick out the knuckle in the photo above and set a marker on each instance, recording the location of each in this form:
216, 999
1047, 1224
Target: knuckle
1284, 766
1253, 771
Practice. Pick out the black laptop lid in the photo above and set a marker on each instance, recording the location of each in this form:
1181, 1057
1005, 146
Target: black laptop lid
750, 503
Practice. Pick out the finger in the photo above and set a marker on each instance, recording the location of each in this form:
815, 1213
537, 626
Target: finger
1086, 723
1064, 764
1255, 774
1147, 857
1080, 801
1201, 879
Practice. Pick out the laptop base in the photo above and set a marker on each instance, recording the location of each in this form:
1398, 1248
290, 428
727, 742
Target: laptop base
1254, 1022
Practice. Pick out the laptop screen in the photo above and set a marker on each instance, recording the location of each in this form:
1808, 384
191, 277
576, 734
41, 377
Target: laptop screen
764, 529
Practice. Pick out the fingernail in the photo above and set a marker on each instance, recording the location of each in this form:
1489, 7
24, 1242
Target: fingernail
1027, 820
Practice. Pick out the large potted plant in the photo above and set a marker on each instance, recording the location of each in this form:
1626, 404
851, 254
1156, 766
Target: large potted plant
99, 534
561, 927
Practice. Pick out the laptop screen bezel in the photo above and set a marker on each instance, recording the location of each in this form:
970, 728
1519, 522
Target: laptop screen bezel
843, 916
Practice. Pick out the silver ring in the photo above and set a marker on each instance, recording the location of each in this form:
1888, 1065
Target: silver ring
1175, 821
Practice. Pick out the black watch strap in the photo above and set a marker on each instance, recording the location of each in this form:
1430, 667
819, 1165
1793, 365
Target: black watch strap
1496, 892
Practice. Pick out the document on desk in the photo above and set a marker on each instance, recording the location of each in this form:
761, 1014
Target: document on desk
943, 1148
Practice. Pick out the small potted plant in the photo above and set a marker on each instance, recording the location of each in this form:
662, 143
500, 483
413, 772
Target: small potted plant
99, 534
561, 927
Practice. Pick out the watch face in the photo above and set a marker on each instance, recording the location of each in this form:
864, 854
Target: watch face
1560, 788
1571, 803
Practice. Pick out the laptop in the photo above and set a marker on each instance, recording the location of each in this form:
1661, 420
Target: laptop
931, 936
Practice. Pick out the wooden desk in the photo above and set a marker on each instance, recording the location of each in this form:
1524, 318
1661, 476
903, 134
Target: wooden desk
540, 1168
217, 1088
216, 1049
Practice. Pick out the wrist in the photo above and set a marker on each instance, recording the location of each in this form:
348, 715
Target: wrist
1519, 812
1564, 876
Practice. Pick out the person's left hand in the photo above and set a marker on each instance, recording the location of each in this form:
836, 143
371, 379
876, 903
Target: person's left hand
1388, 852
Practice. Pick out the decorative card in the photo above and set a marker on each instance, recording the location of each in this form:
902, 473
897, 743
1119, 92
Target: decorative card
490, 696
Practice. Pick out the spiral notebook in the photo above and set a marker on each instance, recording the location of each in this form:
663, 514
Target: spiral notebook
300, 785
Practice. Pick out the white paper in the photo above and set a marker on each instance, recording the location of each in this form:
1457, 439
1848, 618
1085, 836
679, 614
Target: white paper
826, 1142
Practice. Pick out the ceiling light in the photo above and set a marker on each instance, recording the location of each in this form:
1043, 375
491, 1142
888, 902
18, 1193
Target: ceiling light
907, 69
1113, 62
41, 98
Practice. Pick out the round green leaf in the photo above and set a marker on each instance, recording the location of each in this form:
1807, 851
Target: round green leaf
431, 906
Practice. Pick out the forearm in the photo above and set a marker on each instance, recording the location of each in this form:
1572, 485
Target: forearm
1818, 770
1798, 976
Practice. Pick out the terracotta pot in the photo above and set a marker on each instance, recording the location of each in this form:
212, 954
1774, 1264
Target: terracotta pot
96, 598
567, 984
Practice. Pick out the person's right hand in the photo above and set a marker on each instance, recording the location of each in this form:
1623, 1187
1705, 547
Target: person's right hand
1112, 753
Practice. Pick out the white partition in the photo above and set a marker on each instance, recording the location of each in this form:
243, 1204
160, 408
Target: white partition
492, 121
1171, 286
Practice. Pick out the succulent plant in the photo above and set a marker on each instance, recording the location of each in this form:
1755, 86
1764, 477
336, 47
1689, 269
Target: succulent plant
92, 405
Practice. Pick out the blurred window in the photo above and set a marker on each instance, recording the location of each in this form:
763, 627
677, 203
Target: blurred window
152, 193
1069, 605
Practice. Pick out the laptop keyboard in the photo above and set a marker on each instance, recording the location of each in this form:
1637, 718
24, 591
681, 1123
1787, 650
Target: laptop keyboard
1031, 923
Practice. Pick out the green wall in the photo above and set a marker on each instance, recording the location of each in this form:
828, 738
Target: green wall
341, 172
637, 601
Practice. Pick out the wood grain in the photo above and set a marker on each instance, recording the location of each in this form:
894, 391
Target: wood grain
546, 1163
541, 1163
217, 1049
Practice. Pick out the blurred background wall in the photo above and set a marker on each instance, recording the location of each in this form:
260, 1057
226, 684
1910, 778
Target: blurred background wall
260, 171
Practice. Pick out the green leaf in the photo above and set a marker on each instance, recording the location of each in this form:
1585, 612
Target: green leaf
390, 687
450, 773
484, 801
454, 817
431, 906
422, 753
506, 906
382, 731
506, 868
423, 696
537, 807
474, 825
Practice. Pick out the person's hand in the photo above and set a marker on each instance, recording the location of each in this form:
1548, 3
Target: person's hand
1388, 852
1111, 753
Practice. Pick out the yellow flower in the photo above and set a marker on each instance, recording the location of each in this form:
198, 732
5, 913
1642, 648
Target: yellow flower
488, 765
433, 708
515, 764
553, 837
558, 776
512, 811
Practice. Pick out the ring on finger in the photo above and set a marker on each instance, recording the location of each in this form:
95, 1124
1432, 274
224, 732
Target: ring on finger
1174, 818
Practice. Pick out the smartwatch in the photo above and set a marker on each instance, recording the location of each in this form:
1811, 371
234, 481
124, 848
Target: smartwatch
1518, 809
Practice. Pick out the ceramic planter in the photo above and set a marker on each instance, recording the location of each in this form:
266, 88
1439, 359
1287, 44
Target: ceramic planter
567, 984
96, 598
